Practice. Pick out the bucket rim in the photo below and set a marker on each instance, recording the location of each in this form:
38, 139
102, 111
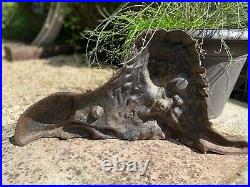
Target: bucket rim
218, 34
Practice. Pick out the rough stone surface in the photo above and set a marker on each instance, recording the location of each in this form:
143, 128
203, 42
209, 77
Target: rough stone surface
77, 161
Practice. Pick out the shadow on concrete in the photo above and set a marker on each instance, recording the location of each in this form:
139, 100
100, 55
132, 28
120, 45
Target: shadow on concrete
240, 103
12, 140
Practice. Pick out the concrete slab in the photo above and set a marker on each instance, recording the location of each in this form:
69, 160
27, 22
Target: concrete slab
78, 161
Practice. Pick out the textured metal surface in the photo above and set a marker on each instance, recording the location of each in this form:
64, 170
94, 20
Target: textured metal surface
226, 34
221, 71
161, 92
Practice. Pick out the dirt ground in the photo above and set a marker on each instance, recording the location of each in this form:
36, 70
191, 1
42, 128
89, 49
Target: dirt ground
78, 161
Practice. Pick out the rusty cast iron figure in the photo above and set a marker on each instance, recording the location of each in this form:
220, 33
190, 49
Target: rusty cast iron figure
161, 92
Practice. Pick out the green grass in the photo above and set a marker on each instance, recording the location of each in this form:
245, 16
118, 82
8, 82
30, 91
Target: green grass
115, 35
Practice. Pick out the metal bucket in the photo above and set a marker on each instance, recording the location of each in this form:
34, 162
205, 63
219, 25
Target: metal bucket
222, 73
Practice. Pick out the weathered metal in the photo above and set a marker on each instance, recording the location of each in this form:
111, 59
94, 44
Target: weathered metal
160, 93
222, 71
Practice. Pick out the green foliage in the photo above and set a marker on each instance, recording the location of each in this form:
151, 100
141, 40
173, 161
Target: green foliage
83, 16
22, 21
5, 20
115, 35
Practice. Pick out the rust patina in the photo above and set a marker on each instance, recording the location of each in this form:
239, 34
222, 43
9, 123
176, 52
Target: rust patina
160, 93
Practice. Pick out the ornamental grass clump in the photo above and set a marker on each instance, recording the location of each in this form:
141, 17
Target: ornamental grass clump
112, 39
